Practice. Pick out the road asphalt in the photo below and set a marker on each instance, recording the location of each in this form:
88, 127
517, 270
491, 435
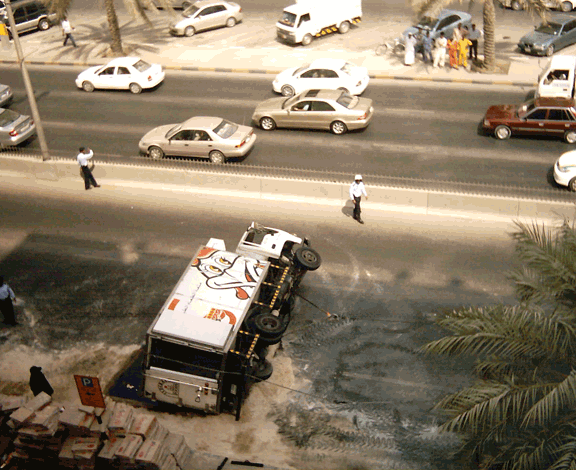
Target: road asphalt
226, 56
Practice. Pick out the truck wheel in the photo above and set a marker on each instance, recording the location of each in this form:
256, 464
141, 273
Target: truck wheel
269, 326
262, 370
307, 39
344, 27
308, 258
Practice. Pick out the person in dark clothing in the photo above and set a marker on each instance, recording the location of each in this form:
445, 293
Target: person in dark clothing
6, 306
38, 382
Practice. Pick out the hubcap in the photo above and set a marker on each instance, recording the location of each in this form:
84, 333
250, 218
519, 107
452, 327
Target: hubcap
338, 128
267, 124
309, 256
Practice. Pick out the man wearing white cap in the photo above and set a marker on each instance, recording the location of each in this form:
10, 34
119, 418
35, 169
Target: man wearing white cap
356, 190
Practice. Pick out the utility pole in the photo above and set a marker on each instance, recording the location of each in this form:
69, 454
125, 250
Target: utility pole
28, 84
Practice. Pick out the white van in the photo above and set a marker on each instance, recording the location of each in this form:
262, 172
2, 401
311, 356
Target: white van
557, 79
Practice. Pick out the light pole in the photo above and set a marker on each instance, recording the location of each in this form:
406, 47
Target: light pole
28, 84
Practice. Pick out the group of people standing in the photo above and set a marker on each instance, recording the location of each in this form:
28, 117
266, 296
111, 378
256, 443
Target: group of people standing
461, 46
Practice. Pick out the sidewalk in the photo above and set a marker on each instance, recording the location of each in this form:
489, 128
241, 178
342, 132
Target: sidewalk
219, 50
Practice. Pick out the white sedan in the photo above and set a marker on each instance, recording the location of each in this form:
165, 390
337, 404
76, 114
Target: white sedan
123, 73
565, 170
326, 74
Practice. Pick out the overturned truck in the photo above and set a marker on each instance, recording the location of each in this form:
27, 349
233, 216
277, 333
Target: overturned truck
208, 343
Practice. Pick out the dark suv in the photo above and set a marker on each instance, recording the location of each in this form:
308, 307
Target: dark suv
28, 16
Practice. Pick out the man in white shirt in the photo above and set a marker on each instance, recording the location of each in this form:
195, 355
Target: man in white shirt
6, 306
83, 157
357, 189
440, 51
67, 32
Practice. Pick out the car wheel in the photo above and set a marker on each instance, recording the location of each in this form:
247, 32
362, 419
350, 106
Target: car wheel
307, 39
267, 123
216, 156
566, 7
345, 90
570, 137
550, 51
399, 49
344, 27
43, 24
87, 86
189, 31
572, 185
287, 91
156, 153
135, 88
231, 22
308, 258
338, 128
516, 5
502, 132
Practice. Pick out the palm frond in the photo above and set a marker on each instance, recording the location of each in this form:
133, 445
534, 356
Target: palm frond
566, 454
60, 7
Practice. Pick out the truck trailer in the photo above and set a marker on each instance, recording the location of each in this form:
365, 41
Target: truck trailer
208, 343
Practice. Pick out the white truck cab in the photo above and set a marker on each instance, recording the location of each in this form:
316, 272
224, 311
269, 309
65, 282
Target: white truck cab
208, 343
557, 79
308, 19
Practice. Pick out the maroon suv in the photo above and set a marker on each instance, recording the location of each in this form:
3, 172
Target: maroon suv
542, 116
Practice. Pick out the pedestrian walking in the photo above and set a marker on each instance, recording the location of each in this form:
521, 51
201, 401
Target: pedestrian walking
38, 382
67, 32
440, 50
410, 54
357, 189
83, 157
453, 53
474, 37
427, 43
463, 46
6, 305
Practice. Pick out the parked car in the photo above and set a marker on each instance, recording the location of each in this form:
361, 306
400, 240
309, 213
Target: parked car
333, 110
5, 95
559, 32
328, 74
206, 14
562, 5
123, 73
542, 116
28, 16
565, 170
15, 128
182, 4
445, 22
207, 137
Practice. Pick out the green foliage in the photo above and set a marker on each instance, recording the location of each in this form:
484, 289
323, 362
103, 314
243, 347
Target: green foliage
520, 413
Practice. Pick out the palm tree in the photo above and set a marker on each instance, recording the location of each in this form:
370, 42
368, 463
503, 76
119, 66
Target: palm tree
520, 413
136, 7
433, 7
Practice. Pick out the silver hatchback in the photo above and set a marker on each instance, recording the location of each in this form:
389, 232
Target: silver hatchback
205, 15
15, 128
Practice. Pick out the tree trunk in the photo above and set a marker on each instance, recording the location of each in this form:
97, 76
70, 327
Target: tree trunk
489, 18
116, 44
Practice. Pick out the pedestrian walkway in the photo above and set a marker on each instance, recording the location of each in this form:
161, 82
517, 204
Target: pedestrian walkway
153, 44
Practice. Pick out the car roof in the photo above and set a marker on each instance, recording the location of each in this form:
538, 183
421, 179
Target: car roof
207, 3
322, 94
445, 13
201, 122
558, 102
327, 63
124, 61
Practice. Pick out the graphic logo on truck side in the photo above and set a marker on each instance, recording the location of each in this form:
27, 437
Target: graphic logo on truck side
170, 389
219, 314
228, 271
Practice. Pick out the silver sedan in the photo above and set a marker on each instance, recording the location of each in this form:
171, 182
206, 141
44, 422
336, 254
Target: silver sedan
5, 95
333, 110
15, 128
206, 137
206, 14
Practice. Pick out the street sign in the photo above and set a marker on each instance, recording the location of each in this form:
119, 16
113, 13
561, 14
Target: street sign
89, 391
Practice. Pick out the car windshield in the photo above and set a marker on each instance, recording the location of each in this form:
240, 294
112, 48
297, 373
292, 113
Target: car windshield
525, 108
7, 116
348, 67
225, 129
141, 65
300, 69
190, 11
173, 131
550, 28
427, 22
289, 19
347, 100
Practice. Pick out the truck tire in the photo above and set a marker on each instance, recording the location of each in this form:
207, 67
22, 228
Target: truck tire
307, 39
262, 370
344, 27
269, 326
308, 258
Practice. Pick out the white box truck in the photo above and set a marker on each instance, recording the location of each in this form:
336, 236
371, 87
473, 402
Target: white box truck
557, 78
309, 19
208, 343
